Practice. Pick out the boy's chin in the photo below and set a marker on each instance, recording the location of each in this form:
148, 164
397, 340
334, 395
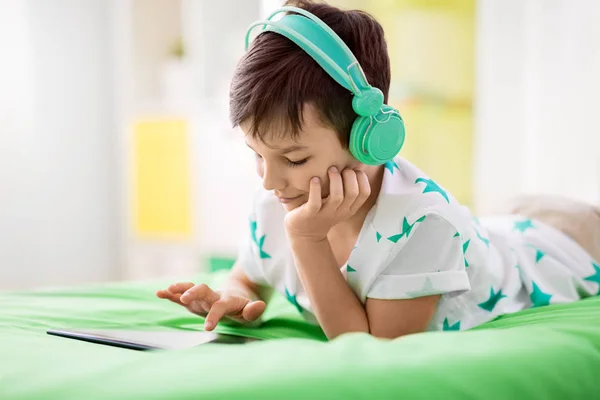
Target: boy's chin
292, 205
289, 207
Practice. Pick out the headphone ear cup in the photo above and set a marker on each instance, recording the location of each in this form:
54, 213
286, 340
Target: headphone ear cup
357, 134
377, 139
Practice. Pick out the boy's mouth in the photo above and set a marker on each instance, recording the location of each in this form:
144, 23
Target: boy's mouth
286, 200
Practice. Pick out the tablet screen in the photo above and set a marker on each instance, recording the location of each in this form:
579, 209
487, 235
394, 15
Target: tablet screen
150, 340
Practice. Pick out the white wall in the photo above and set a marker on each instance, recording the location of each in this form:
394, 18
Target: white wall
225, 178
536, 105
58, 220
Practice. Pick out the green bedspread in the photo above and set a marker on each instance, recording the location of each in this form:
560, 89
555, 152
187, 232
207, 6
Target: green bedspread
546, 353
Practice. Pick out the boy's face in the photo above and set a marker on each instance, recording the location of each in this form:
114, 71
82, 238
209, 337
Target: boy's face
286, 165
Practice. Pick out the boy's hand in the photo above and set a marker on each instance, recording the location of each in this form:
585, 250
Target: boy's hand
202, 300
313, 220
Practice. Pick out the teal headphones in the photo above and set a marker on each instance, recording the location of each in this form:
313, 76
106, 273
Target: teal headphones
377, 134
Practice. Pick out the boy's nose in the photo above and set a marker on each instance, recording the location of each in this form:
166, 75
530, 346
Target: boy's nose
272, 179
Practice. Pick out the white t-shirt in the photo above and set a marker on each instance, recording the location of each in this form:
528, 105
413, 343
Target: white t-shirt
417, 240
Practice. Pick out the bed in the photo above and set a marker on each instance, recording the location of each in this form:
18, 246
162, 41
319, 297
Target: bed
550, 352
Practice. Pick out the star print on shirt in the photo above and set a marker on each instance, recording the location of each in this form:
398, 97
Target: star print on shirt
523, 225
350, 269
292, 299
494, 298
426, 290
378, 236
582, 292
447, 327
538, 253
484, 240
539, 298
390, 165
431, 186
465, 247
406, 229
259, 242
596, 277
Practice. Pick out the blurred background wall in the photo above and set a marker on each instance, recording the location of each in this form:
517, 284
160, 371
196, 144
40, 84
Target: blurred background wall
117, 160
59, 165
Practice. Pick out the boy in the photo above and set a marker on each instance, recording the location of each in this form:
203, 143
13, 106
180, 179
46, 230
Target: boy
360, 243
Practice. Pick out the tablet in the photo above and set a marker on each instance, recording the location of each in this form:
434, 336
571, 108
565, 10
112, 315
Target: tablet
150, 340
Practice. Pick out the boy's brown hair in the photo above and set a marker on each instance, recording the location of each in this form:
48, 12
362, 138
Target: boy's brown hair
276, 78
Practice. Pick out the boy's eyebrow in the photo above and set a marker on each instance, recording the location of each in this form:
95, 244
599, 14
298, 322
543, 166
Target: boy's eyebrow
289, 149
285, 150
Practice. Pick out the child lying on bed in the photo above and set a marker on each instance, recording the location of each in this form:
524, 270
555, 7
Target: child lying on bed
360, 241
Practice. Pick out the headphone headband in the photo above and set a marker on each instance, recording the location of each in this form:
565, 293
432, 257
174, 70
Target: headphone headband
319, 41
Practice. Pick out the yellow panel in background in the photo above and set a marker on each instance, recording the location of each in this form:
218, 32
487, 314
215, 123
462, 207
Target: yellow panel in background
161, 171
439, 142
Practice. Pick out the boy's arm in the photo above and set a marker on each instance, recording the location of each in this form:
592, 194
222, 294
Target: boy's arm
334, 304
339, 311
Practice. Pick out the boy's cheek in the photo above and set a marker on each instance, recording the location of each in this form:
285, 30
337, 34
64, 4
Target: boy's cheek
355, 164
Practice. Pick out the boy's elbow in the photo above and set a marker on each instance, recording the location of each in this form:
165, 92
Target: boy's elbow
385, 331
386, 334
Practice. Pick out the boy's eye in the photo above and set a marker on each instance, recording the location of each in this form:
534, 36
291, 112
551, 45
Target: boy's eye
292, 163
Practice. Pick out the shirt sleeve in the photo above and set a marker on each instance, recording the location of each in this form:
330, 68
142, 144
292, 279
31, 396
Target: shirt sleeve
431, 262
248, 257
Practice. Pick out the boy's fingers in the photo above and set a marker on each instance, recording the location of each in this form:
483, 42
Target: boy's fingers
197, 307
205, 305
217, 311
254, 310
174, 297
313, 204
364, 190
336, 189
351, 189
200, 292
200, 307
163, 294
180, 287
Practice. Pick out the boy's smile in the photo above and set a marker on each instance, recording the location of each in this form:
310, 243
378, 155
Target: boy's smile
287, 200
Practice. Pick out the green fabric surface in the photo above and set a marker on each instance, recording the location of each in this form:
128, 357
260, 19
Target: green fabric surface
544, 353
